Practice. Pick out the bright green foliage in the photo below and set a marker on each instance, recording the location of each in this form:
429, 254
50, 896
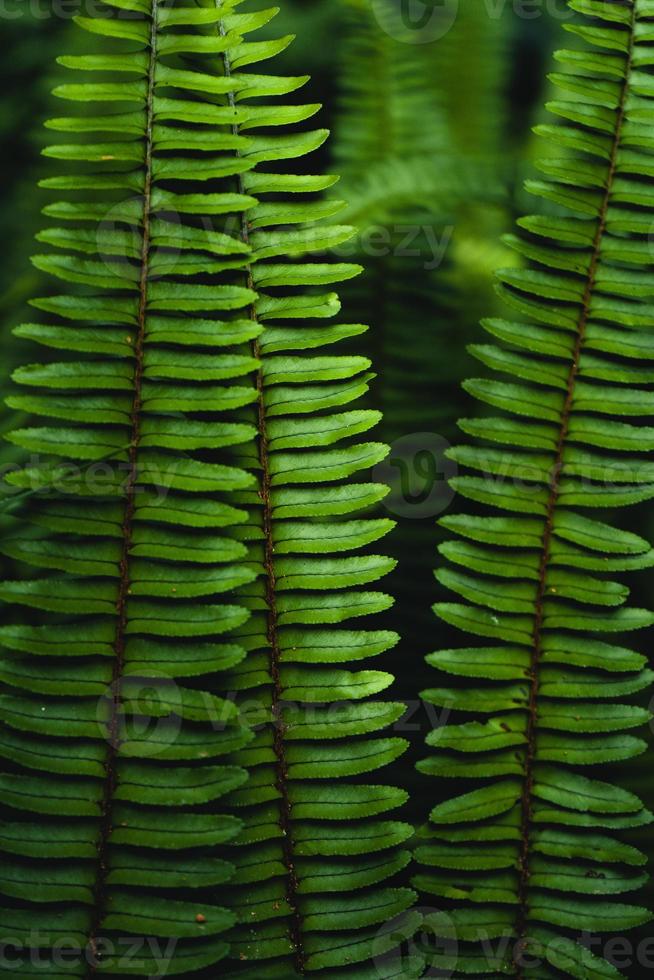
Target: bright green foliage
194, 540
529, 853
319, 842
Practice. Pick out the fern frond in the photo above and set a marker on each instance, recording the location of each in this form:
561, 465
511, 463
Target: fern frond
201, 547
530, 853
127, 609
318, 846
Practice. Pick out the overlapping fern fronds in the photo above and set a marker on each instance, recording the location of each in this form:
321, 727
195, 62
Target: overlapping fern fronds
530, 851
192, 456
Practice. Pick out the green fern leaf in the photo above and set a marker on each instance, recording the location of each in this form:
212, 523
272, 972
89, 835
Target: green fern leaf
316, 851
192, 540
525, 854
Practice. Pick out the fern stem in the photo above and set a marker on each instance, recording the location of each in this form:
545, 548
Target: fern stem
113, 732
279, 726
554, 491
272, 633
380, 306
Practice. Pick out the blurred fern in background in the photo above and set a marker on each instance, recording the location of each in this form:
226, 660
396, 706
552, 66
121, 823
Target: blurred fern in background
419, 139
